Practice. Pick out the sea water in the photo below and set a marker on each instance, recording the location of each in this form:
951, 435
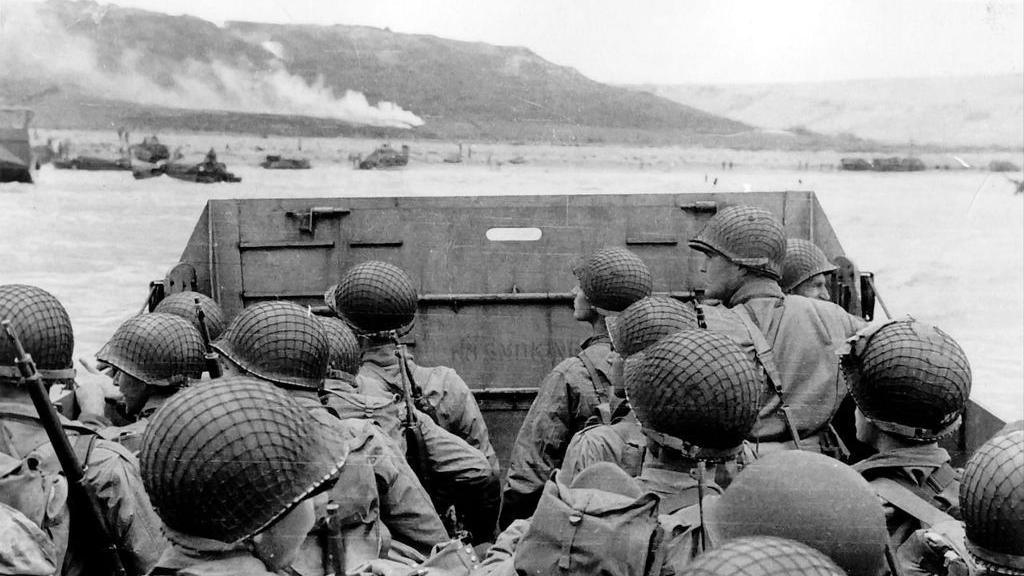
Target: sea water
946, 246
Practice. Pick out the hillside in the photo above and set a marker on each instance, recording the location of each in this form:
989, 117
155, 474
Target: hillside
951, 112
102, 65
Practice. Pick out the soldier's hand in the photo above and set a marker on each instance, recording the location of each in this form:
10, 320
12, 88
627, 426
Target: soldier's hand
91, 397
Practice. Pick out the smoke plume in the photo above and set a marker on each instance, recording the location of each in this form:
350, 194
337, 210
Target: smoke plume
35, 45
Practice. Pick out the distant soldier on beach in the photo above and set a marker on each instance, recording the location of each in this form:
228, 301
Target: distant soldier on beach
744, 250
578, 388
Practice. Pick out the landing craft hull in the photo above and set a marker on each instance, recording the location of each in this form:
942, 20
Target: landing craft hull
15, 149
494, 273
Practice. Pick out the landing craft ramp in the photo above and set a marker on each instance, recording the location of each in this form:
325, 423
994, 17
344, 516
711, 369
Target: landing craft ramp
493, 273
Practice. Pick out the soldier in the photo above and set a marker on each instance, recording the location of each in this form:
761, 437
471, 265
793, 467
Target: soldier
455, 472
809, 498
803, 272
282, 343
111, 470
233, 469
763, 556
376, 298
990, 540
744, 248
609, 280
696, 395
622, 442
910, 382
152, 356
184, 304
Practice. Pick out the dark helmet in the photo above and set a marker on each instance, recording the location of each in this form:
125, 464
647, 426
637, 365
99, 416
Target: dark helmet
908, 378
613, 278
44, 328
809, 498
648, 320
763, 556
344, 346
746, 236
184, 304
374, 297
697, 387
159, 349
992, 502
804, 260
278, 341
225, 460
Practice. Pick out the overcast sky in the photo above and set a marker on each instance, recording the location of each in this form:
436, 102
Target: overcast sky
685, 41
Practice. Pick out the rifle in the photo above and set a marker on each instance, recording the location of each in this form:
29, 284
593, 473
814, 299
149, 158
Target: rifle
415, 445
331, 542
212, 358
81, 495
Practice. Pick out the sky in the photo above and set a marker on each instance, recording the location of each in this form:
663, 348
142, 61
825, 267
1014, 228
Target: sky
689, 41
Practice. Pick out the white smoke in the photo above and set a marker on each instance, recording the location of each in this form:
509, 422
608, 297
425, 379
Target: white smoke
35, 46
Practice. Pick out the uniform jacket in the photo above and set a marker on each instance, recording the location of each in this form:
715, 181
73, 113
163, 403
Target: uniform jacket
566, 399
918, 469
130, 436
231, 561
377, 489
113, 472
453, 402
621, 443
457, 473
804, 348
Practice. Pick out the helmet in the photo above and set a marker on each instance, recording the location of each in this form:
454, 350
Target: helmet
184, 304
746, 236
280, 342
804, 261
992, 501
44, 328
763, 556
697, 387
159, 349
908, 378
809, 498
374, 297
344, 347
225, 460
647, 320
613, 278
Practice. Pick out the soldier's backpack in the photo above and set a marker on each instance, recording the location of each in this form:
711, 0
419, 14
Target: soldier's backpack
602, 524
33, 485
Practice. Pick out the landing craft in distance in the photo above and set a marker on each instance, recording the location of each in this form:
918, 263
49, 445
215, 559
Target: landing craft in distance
15, 149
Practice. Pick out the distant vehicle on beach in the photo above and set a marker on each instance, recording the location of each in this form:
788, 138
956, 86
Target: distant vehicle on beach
276, 162
93, 163
385, 157
893, 164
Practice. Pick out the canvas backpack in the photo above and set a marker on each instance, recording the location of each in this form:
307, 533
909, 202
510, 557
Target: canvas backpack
602, 524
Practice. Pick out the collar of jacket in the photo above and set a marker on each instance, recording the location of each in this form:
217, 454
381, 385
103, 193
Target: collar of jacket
756, 287
383, 355
929, 455
595, 339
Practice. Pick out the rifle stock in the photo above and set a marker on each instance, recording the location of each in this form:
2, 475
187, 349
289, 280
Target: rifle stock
81, 496
415, 449
212, 358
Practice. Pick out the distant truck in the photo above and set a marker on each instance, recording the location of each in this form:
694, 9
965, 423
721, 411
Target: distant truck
15, 149
855, 164
385, 157
275, 162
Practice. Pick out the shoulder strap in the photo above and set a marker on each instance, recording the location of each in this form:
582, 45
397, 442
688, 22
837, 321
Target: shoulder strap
83, 444
941, 478
903, 498
763, 351
600, 385
65, 424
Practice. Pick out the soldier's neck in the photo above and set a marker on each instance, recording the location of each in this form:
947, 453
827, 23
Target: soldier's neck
885, 442
599, 327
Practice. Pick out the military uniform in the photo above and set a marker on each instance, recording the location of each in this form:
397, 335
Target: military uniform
113, 473
110, 470
924, 471
622, 443
130, 435
450, 397
565, 400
